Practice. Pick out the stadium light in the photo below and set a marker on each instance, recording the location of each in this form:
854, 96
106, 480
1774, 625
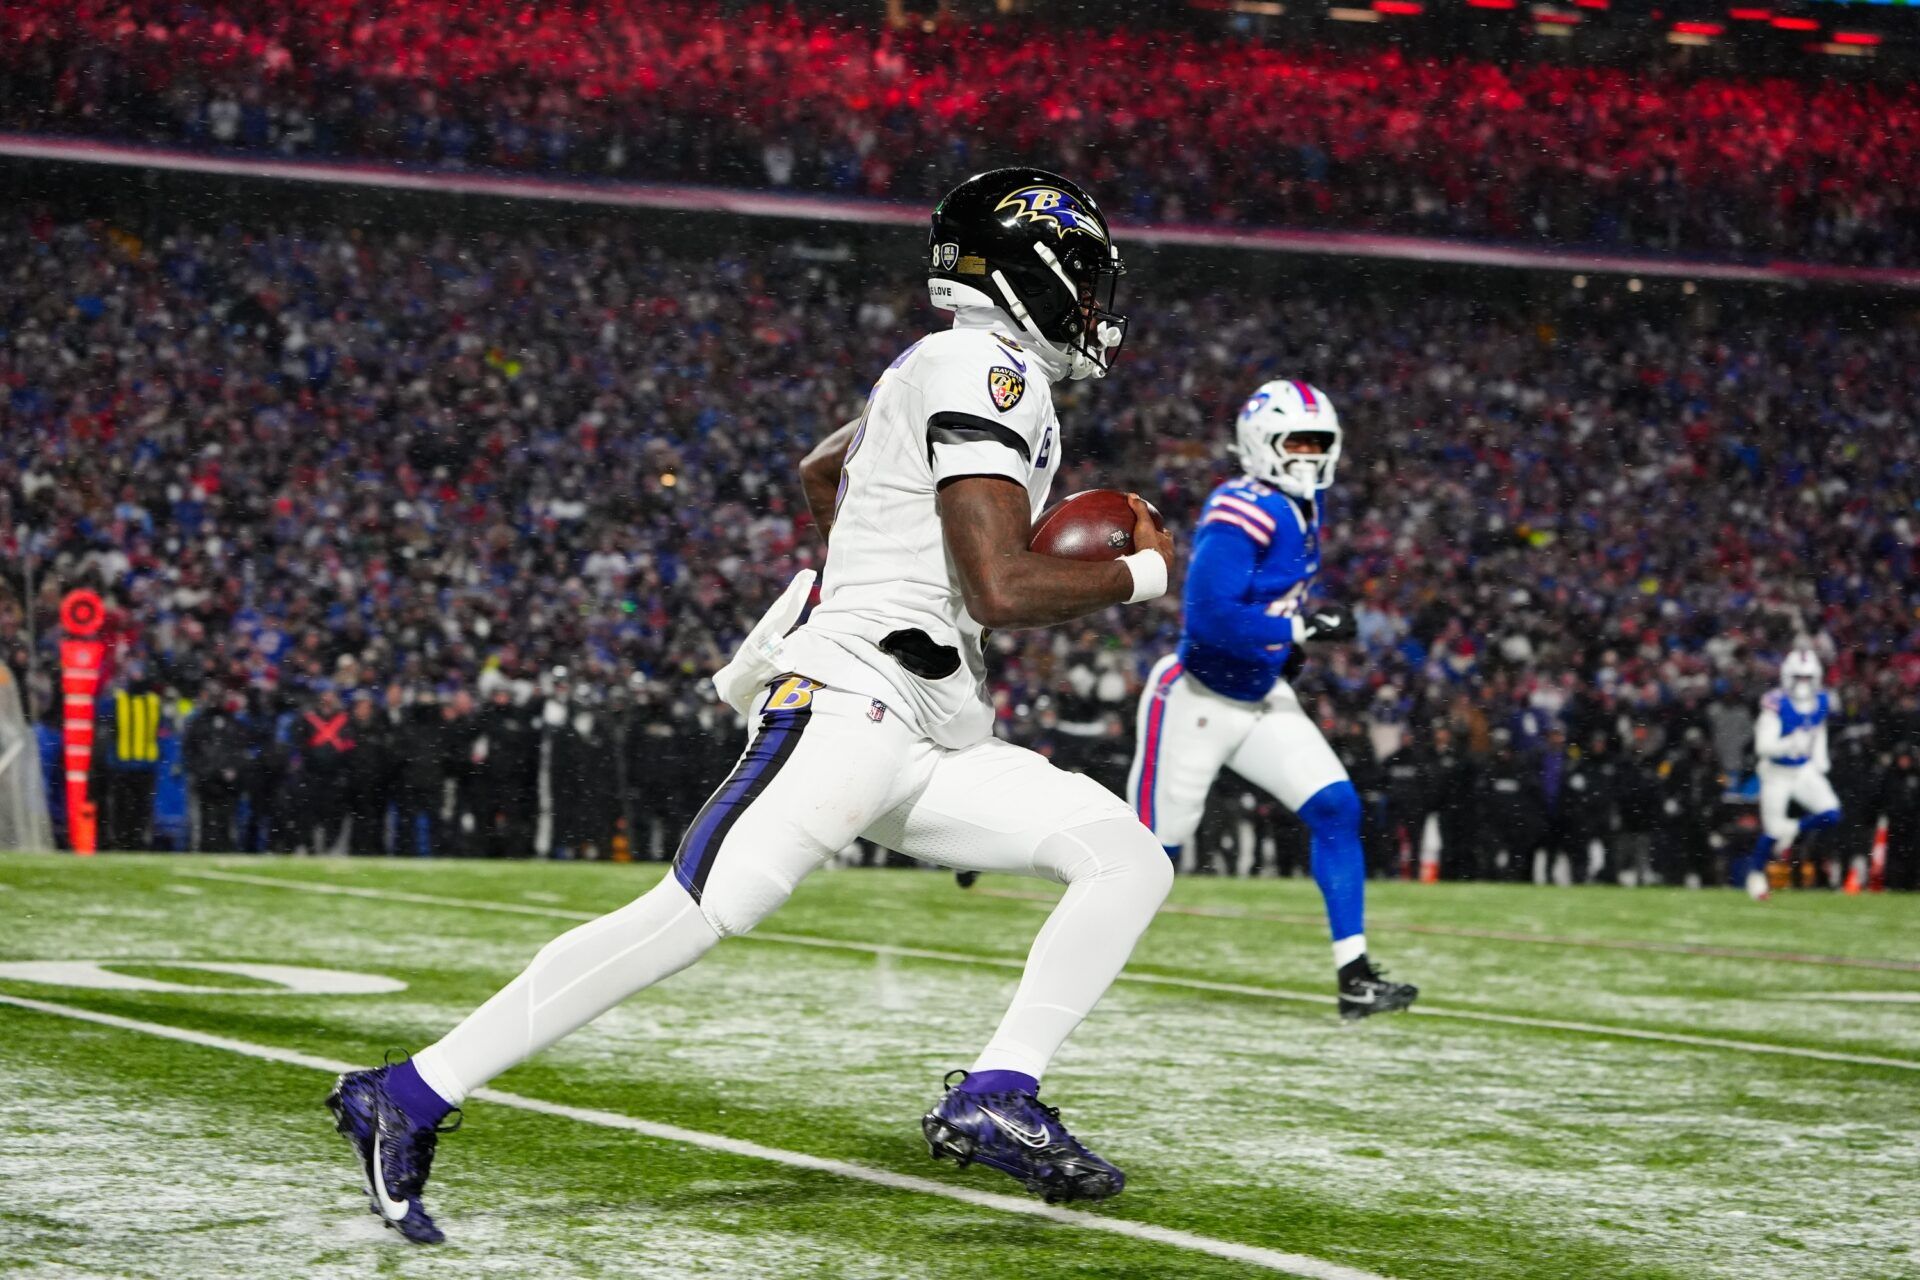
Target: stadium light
1399, 8
1750, 15
1341, 14
1700, 28
1866, 38
1795, 24
1493, 4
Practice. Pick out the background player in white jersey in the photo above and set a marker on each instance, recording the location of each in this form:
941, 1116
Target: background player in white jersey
1790, 738
872, 718
1223, 699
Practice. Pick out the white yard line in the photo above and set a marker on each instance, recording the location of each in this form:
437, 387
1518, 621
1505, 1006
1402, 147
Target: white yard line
1291, 1264
1144, 979
1510, 935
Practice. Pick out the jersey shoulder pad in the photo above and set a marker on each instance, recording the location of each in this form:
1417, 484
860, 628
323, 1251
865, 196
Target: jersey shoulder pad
1236, 505
979, 371
985, 404
1772, 701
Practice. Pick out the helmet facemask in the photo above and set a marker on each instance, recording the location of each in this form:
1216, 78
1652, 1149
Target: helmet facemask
1088, 330
1303, 473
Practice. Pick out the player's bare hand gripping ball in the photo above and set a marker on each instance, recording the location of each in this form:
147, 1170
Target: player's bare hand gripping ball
1149, 534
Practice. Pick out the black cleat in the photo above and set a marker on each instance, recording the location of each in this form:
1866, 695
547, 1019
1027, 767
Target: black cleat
965, 879
1365, 991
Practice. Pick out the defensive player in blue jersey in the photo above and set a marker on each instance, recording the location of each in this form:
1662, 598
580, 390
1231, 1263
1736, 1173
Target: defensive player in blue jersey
1223, 699
1790, 738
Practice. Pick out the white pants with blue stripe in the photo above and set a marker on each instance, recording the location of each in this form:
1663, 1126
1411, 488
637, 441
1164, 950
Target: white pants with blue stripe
822, 767
1187, 733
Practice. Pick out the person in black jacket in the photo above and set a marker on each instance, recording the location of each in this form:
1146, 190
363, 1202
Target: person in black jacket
1588, 813
369, 776
507, 785
1462, 854
327, 746
1513, 809
582, 782
1637, 801
1689, 788
1857, 776
419, 774
215, 751
1410, 788
269, 820
1900, 801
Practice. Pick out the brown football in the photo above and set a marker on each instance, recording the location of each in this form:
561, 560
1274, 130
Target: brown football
1094, 525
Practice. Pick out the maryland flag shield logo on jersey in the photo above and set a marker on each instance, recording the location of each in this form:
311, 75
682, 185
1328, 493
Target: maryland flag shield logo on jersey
1005, 386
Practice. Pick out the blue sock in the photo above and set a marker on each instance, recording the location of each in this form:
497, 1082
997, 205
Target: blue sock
1339, 866
1820, 821
1173, 852
1756, 861
999, 1082
415, 1096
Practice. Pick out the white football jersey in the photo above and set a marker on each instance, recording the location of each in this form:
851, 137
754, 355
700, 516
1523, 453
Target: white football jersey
967, 402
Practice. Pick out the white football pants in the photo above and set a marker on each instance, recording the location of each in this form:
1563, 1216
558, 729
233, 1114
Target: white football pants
1783, 785
821, 768
1187, 732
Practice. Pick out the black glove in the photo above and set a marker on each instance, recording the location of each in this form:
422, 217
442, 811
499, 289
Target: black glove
1295, 663
1327, 622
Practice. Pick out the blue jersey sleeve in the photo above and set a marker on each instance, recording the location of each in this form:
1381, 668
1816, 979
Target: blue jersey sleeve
1220, 576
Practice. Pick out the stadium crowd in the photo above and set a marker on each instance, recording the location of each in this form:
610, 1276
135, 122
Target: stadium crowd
428, 541
1182, 128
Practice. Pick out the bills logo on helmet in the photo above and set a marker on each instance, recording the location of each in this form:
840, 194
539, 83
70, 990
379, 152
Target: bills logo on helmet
1050, 204
1005, 386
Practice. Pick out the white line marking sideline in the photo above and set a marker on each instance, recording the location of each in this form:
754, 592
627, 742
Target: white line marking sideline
1145, 979
1293, 1264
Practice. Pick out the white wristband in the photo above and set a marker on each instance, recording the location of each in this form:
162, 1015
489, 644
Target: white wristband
1149, 570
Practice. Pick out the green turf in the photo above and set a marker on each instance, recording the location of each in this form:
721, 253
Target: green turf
1420, 1148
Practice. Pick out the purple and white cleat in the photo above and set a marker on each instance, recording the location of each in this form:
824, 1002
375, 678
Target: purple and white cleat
395, 1152
1014, 1132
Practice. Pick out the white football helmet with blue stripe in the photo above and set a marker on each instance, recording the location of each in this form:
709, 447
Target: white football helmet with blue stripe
1278, 410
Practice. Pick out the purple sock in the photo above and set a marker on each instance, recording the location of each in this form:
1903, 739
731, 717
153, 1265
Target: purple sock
999, 1082
415, 1096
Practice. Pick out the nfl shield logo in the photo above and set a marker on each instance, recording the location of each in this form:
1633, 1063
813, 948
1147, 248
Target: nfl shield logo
1005, 386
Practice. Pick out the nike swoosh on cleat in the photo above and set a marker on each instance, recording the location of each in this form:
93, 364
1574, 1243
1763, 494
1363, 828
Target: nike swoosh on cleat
1371, 997
1035, 1138
390, 1209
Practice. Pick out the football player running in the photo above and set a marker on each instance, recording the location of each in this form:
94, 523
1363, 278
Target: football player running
872, 719
1790, 738
1224, 699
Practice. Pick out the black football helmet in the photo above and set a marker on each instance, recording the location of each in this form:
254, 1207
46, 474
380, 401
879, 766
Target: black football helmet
1035, 245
